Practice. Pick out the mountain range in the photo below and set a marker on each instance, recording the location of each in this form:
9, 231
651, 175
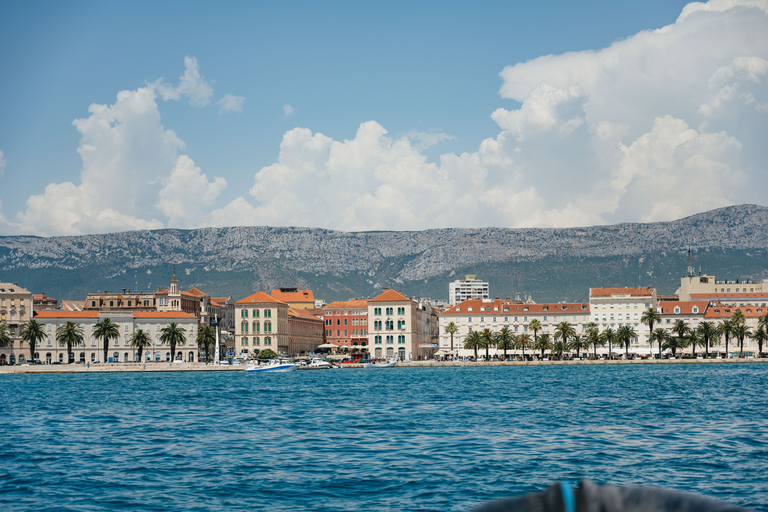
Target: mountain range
548, 264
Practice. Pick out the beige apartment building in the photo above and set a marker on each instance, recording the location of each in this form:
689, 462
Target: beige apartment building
616, 307
120, 350
401, 327
691, 285
478, 315
16, 309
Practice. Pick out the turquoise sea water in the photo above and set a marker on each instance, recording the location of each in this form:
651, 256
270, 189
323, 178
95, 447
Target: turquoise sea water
401, 439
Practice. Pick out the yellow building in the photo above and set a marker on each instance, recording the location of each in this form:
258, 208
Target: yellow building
16, 307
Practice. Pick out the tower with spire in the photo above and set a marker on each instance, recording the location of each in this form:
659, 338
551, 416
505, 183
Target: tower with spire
174, 295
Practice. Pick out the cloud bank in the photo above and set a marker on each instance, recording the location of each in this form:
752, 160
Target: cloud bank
660, 125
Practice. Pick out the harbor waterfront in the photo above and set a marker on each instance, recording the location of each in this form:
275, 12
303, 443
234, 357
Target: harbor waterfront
410, 438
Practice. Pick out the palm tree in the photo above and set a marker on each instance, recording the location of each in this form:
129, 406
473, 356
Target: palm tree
674, 343
172, 335
649, 317
707, 331
543, 343
696, 338
488, 341
206, 337
683, 331
32, 332
535, 326
451, 329
558, 347
660, 336
140, 340
763, 322
579, 343
760, 336
106, 330
593, 336
71, 335
523, 341
473, 341
738, 317
5, 338
741, 331
565, 331
725, 328
625, 335
505, 340
608, 336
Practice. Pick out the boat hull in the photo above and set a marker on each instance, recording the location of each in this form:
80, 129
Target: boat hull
273, 368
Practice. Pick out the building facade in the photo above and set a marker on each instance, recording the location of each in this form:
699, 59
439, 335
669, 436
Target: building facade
261, 322
693, 284
346, 324
617, 307
401, 327
120, 350
295, 298
466, 289
305, 331
16, 309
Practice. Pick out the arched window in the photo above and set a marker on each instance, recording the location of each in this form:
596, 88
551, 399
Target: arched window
256, 326
267, 326
677, 310
695, 310
268, 341
245, 340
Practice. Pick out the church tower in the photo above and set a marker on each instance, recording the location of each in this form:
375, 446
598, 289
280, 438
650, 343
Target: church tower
174, 296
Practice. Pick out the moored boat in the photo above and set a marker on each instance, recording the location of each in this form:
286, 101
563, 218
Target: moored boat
380, 364
274, 365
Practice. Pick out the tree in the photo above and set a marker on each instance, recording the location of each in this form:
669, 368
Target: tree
172, 335
139, 341
535, 326
543, 343
206, 337
505, 340
593, 337
706, 331
683, 332
738, 317
760, 336
724, 329
579, 343
71, 335
625, 334
32, 332
674, 343
5, 338
660, 337
106, 331
489, 341
451, 329
650, 317
473, 341
608, 336
267, 354
558, 348
523, 341
564, 331
741, 331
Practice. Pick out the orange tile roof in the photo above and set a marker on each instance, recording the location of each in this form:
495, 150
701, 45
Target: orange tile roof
390, 296
607, 292
743, 296
722, 311
261, 297
350, 304
499, 306
66, 314
163, 314
198, 292
303, 314
686, 307
297, 296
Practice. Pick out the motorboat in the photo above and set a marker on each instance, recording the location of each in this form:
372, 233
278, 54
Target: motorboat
381, 364
274, 365
320, 364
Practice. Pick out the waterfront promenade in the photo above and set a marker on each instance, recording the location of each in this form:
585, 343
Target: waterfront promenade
202, 367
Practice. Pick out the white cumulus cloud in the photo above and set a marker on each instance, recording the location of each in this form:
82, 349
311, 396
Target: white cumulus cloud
230, 103
192, 84
186, 192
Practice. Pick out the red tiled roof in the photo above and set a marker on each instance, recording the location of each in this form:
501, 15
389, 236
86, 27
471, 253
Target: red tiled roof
66, 314
297, 296
163, 314
686, 307
722, 311
390, 296
743, 296
499, 306
607, 292
350, 304
197, 291
260, 297
303, 314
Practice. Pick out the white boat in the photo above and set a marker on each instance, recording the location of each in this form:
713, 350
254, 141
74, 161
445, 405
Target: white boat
274, 365
380, 364
320, 364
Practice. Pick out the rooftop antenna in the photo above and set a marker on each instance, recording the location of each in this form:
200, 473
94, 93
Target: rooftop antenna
691, 271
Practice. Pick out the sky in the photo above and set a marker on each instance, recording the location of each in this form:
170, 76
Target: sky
358, 116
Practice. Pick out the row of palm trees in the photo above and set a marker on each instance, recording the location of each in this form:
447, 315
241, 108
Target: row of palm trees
565, 339
71, 335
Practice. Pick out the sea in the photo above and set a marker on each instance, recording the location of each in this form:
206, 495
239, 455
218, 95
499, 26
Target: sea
422, 439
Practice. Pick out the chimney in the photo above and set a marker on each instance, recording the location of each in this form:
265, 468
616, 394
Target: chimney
123, 290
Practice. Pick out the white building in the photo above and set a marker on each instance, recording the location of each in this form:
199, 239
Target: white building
466, 289
616, 307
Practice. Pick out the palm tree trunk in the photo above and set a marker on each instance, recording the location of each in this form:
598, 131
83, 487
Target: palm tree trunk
706, 347
726, 346
69, 352
693, 344
106, 348
741, 347
475, 353
451, 342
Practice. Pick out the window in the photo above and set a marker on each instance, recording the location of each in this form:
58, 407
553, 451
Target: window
268, 341
376, 311
256, 326
677, 310
345, 321
401, 338
390, 339
377, 339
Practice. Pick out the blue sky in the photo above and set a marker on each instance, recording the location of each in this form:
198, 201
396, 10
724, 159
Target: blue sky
354, 115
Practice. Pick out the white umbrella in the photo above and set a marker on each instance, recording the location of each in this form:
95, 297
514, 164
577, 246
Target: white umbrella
327, 345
